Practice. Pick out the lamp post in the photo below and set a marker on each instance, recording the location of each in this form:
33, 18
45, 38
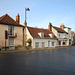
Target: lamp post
26, 9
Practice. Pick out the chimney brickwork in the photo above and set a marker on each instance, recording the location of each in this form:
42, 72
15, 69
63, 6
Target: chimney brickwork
62, 26
25, 23
50, 26
18, 18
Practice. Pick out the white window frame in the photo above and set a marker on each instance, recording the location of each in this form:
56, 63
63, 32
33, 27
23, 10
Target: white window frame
11, 30
43, 44
36, 44
52, 44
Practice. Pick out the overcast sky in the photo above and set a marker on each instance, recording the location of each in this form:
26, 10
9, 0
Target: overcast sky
41, 12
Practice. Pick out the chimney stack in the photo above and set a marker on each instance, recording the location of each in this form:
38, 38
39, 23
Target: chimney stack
25, 23
18, 18
50, 26
62, 26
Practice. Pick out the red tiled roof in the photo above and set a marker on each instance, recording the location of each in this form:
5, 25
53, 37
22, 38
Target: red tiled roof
59, 30
34, 32
7, 20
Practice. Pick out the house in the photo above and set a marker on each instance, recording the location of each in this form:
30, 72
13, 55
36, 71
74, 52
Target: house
68, 30
41, 38
63, 35
15, 31
51, 37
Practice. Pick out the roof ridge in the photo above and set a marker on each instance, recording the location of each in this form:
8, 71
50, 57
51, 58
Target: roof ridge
37, 28
12, 18
59, 28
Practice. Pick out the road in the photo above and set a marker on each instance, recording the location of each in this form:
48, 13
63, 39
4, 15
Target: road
43, 62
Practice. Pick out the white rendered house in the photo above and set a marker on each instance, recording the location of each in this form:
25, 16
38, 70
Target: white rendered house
41, 38
51, 37
63, 35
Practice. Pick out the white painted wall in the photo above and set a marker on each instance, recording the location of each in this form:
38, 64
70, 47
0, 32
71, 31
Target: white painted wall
68, 30
54, 31
46, 42
28, 35
62, 36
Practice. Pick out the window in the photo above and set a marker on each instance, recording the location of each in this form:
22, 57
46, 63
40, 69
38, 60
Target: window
59, 35
64, 43
59, 42
53, 43
11, 30
69, 41
48, 43
36, 44
43, 44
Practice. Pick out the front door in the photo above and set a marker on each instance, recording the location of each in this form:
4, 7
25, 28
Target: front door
11, 42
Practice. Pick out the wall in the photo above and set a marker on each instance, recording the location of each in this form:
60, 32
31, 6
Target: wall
46, 42
28, 35
62, 36
2, 35
17, 41
54, 31
68, 30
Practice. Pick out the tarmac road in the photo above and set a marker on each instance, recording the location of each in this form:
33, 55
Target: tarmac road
43, 62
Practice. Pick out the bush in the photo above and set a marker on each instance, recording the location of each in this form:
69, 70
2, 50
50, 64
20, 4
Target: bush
29, 41
28, 47
3, 48
19, 47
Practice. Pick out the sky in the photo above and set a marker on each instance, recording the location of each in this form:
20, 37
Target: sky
41, 12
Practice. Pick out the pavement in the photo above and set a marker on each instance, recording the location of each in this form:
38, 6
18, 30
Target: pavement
20, 50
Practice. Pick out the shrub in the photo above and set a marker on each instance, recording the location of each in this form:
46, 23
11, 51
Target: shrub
29, 41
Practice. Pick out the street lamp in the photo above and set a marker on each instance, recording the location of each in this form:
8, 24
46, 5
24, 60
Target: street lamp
26, 9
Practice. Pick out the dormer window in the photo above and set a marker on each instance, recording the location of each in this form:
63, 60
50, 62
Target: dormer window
41, 34
51, 35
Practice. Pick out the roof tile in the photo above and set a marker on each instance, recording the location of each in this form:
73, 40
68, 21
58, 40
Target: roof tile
6, 19
34, 32
59, 30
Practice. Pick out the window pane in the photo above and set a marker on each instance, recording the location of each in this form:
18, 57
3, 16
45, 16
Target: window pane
11, 30
36, 44
43, 44
53, 43
59, 42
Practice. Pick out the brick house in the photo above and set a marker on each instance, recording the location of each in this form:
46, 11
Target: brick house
15, 31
